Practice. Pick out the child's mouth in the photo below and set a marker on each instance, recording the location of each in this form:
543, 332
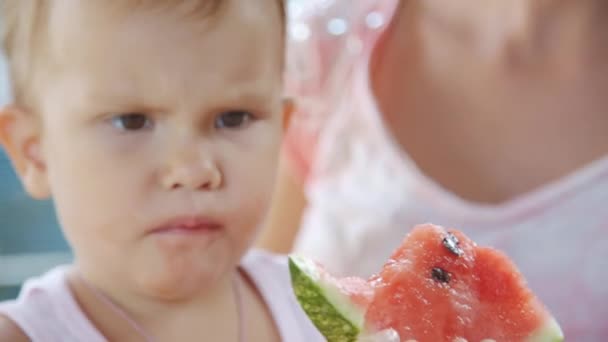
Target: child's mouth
188, 225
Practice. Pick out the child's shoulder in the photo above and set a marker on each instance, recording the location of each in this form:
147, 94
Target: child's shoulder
270, 274
262, 259
268, 271
33, 306
46, 310
10, 331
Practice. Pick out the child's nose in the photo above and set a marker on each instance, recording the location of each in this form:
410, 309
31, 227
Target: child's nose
202, 175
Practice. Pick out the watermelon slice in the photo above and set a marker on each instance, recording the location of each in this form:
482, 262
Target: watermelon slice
438, 286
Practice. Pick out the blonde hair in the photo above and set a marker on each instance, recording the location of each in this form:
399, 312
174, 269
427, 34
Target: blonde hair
23, 24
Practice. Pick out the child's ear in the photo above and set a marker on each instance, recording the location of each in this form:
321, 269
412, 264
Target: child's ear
289, 107
20, 137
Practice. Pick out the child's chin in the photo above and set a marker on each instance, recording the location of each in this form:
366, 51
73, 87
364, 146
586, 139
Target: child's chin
180, 284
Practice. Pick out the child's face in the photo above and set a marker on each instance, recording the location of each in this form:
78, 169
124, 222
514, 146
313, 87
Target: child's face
161, 136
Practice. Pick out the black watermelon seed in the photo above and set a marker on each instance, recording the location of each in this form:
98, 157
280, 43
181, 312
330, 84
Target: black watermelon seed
440, 275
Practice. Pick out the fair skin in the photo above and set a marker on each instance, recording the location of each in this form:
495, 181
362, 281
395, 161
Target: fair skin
135, 135
509, 94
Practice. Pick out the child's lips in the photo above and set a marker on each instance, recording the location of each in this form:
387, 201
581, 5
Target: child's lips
188, 225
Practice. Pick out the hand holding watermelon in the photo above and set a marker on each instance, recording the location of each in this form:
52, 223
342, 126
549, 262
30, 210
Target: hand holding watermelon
438, 286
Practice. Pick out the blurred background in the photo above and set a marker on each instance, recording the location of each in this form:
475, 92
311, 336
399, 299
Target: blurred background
30, 240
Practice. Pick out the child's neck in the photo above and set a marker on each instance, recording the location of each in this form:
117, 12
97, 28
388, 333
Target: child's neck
215, 314
492, 117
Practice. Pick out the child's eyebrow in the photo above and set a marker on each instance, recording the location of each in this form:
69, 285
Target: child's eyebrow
113, 102
255, 99
251, 96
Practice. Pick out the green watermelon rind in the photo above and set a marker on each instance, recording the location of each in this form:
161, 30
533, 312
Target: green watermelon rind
550, 332
333, 313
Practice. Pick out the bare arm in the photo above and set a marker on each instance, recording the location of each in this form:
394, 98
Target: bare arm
283, 221
9, 331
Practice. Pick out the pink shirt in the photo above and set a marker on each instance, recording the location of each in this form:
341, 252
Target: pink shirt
365, 192
47, 311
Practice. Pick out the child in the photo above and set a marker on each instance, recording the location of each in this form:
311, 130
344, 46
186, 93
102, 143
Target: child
154, 127
485, 115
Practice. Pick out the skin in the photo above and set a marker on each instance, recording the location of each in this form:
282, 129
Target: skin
206, 124
508, 94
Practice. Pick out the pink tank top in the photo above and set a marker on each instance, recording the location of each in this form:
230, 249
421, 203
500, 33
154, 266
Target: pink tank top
365, 192
47, 311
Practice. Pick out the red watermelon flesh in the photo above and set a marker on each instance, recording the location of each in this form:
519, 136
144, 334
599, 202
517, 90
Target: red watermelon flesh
438, 286
429, 292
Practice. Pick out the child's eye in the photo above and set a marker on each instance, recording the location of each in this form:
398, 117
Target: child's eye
132, 122
233, 119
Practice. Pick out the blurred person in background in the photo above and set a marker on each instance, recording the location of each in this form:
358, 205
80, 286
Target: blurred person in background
489, 116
